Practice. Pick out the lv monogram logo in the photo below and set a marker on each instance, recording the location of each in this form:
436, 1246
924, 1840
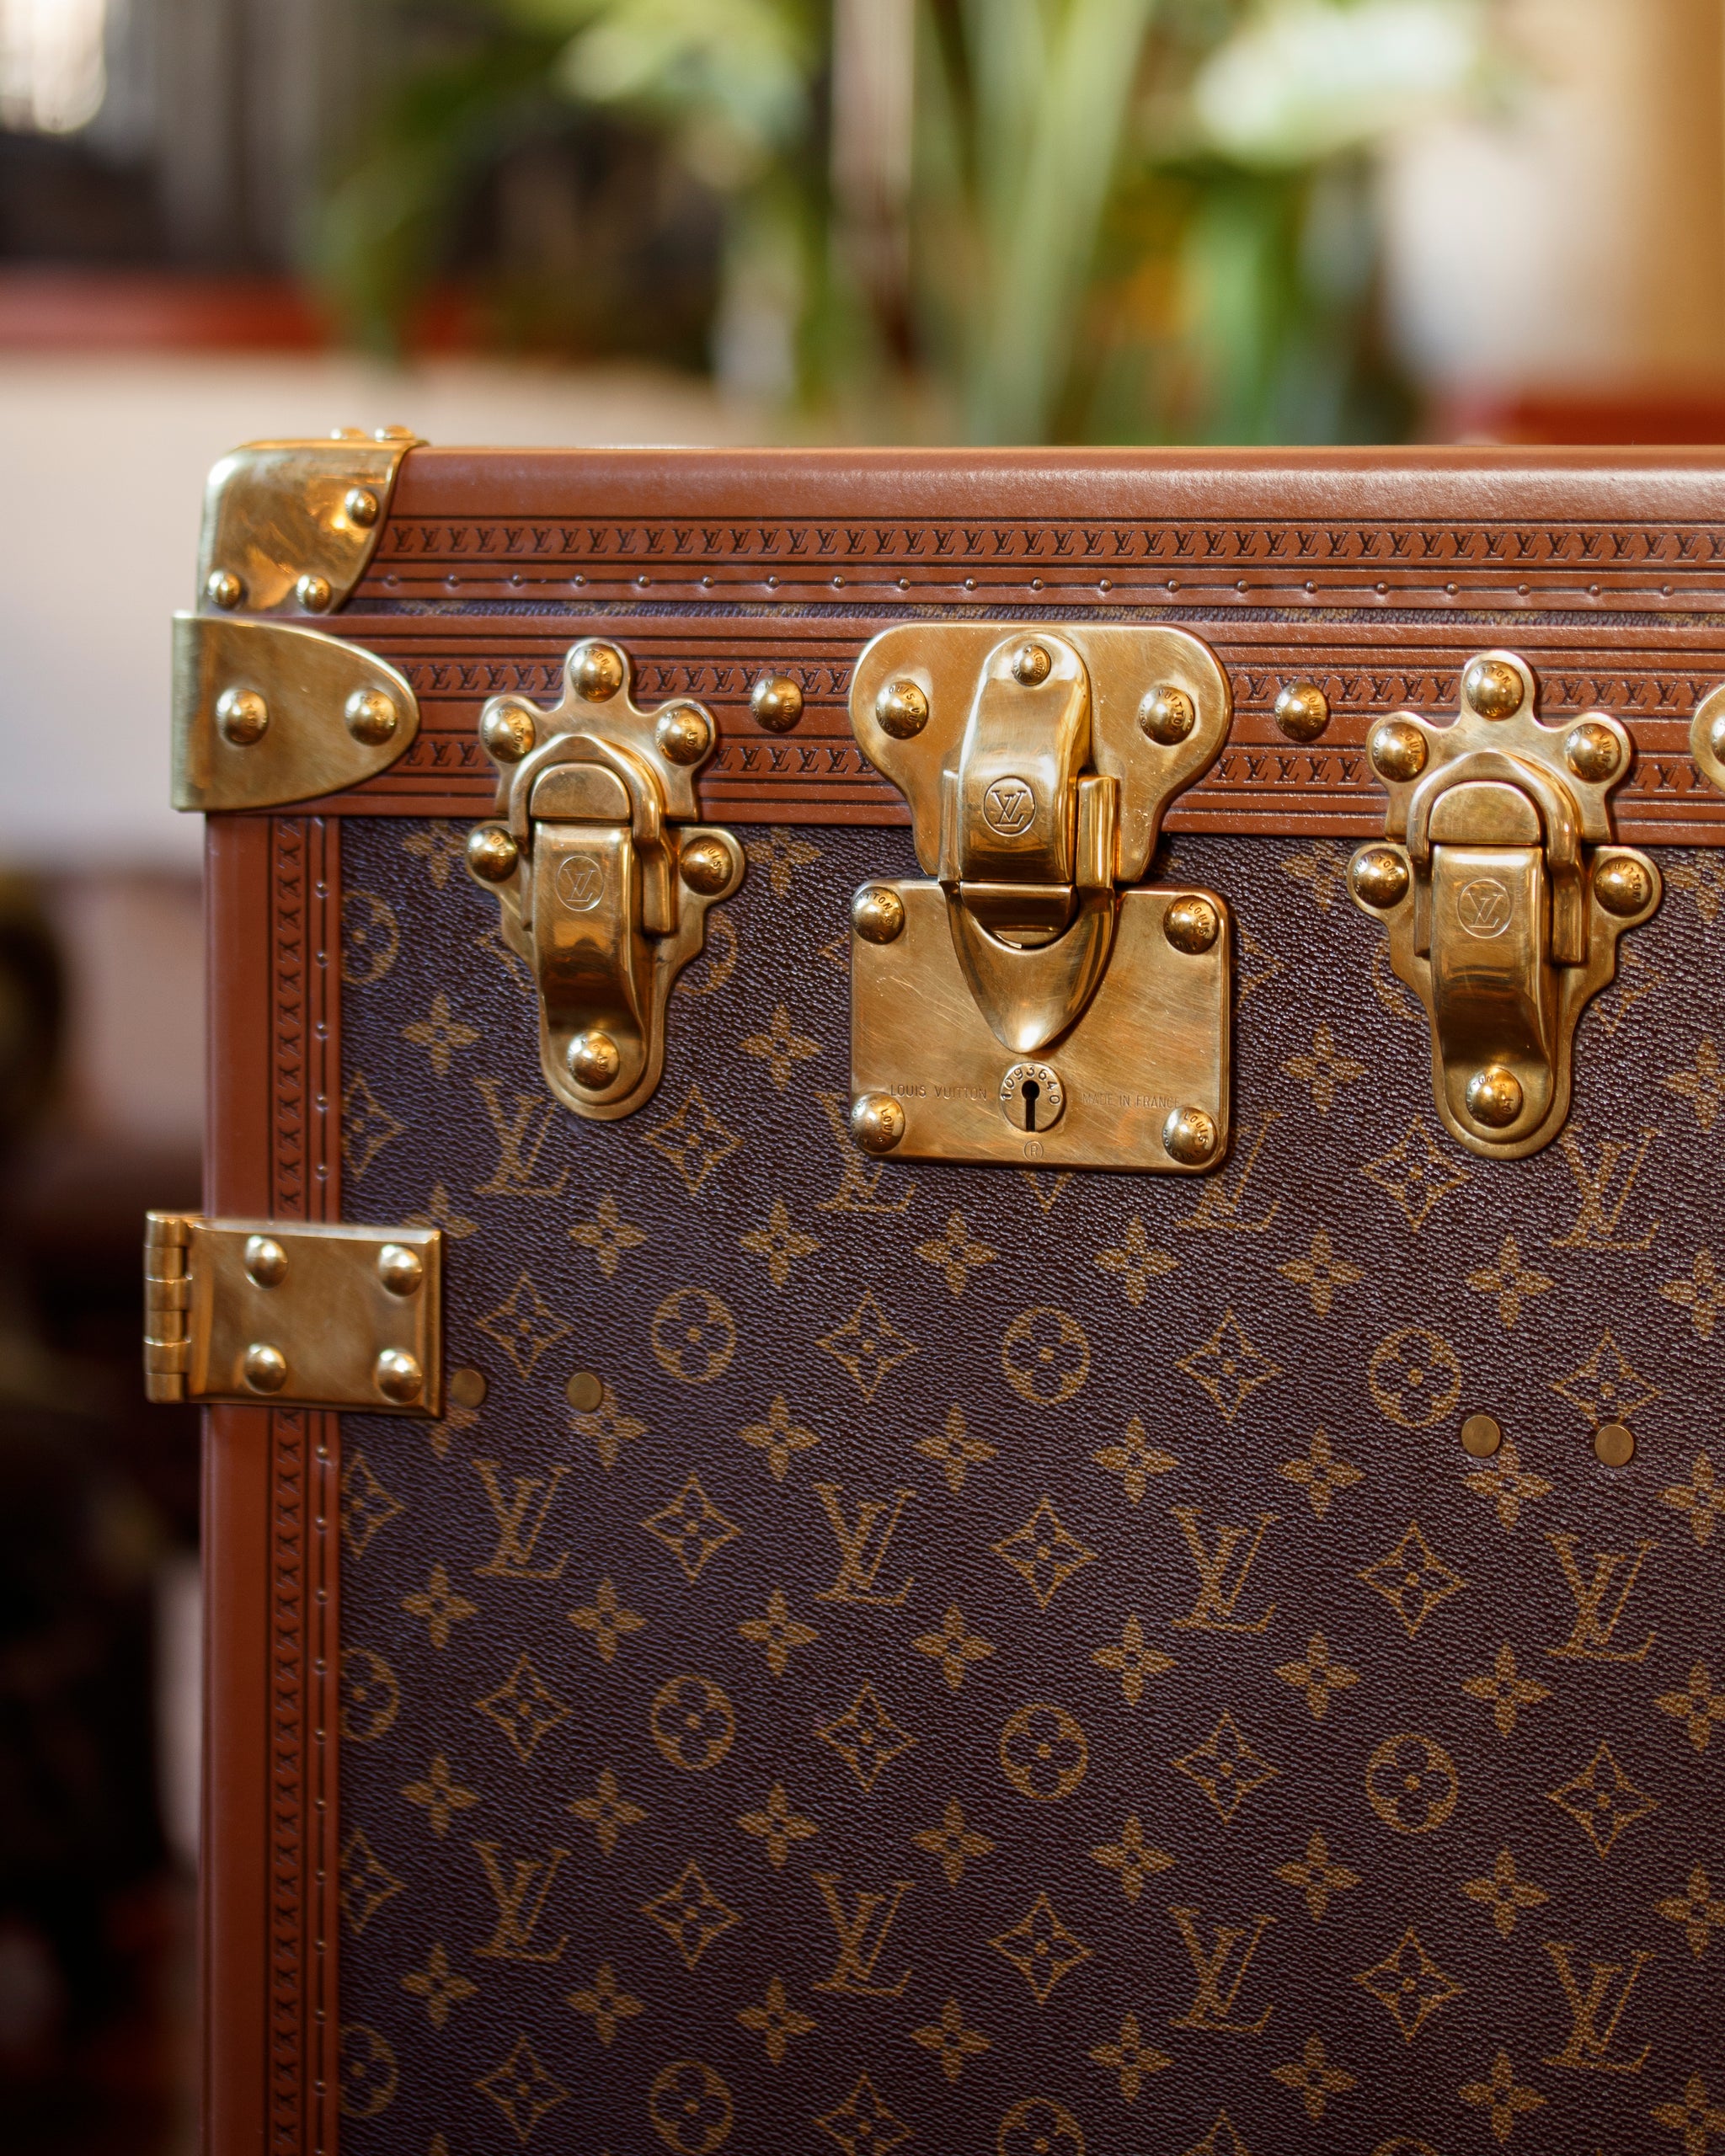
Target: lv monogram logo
1590, 2045
862, 1546
1590, 1640
521, 1134
1213, 2005
1604, 1191
1218, 1595
1221, 1199
862, 1937
521, 1903
520, 1520
859, 1187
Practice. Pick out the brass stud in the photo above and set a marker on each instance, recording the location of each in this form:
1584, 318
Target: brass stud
705, 867
1493, 688
1302, 711
393, 434
1494, 1097
594, 1060
584, 1391
1166, 715
901, 709
467, 1387
1398, 750
397, 1376
1481, 1436
777, 701
1192, 925
877, 1123
595, 671
313, 593
1380, 876
401, 1270
265, 1261
370, 716
1614, 1445
1189, 1136
878, 914
507, 731
492, 853
1715, 736
264, 1368
223, 588
683, 735
243, 717
1031, 666
361, 506
1591, 750
1622, 885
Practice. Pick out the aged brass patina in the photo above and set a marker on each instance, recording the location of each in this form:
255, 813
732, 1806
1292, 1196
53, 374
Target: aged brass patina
1503, 896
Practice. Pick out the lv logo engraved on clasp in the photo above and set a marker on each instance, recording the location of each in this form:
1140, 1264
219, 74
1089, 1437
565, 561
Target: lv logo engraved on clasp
1502, 894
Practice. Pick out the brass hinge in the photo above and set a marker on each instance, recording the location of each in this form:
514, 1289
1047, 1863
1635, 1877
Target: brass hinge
293, 1314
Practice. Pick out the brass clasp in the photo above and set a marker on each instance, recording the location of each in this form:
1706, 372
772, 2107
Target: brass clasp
603, 875
1502, 894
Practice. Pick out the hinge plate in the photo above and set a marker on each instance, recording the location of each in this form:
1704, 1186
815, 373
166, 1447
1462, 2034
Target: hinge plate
274, 1313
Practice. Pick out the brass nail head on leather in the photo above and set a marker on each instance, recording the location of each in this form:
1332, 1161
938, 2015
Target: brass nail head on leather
593, 1060
705, 867
243, 717
1494, 1097
1621, 884
467, 1387
1191, 925
1493, 688
492, 853
878, 914
264, 1368
370, 716
1166, 715
877, 1123
223, 588
397, 1376
1189, 1136
584, 1391
1398, 748
1379, 876
507, 731
683, 735
1591, 750
313, 593
1481, 1436
596, 671
361, 504
901, 709
777, 701
265, 1261
1614, 1445
1031, 666
400, 1269
1302, 711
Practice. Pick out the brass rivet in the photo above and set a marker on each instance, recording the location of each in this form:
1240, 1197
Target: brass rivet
1591, 750
242, 716
683, 735
595, 671
467, 1388
361, 506
223, 588
313, 593
584, 1391
393, 433
776, 703
1493, 688
593, 1059
1302, 711
400, 1269
1031, 666
1494, 1097
370, 716
507, 731
1481, 1436
264, 1369
878, 914
492, 853
266, 1261
1380, 876
1191, 925
1614, 1445
705, 867
1189, 1136
397, 1376
901, 710
877, 1123
1715, 736
1166, 715
1621, 883
1398, 750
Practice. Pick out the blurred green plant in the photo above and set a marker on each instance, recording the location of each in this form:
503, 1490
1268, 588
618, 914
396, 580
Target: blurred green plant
993, 220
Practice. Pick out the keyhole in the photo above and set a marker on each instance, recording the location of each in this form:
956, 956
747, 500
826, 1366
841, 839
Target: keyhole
1030, 1092
1033, 1097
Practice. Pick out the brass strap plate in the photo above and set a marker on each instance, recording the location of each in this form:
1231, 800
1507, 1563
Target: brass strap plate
293, 1314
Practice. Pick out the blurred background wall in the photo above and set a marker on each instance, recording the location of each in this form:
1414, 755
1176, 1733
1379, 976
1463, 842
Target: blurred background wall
603, 221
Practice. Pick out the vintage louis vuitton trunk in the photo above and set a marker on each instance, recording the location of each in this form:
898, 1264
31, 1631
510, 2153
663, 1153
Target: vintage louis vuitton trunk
960, 1303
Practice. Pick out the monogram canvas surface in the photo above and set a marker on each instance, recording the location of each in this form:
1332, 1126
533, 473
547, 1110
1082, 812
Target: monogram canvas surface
1020, 1661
